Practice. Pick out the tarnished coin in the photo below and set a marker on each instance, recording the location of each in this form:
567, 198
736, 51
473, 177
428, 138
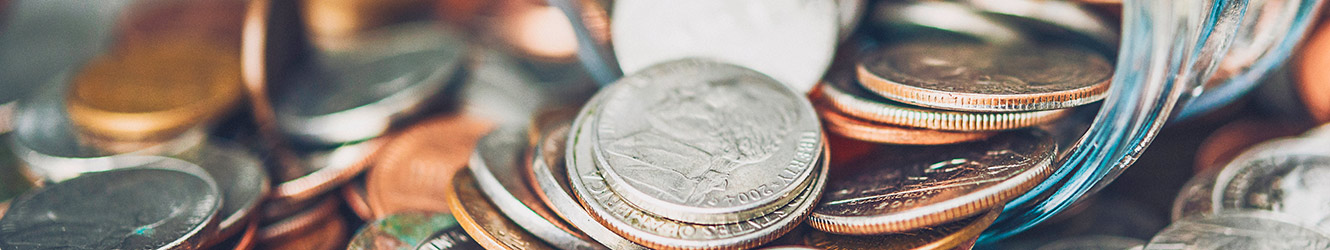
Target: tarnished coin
154, 91
791, 40
407, 174
705, 142
352, 95
903, 188
962, 76
1291, 184
1096, 242
166, 204
842, 92
1247, 230
611, 210
496, 165
402, 231
453, 238
862, 130
327, 169
483, 221
943, 237
243, 184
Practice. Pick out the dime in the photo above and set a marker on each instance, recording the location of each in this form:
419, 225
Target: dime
243, 183
1249, 230
165, 204
611, 210
705, 142
406, 176
1289, 184
945, 236
483, 221
842, 92
882, 133
791, 40
453, 238
352, 95
904, 188
402, 231
956, 75
327, 169
1096, 242
495, 164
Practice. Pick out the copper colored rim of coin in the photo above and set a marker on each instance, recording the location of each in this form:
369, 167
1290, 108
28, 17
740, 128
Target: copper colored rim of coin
887, 113
966, 235
328, 177
447, 143
329, 234
1313, 79
301, 222
463, 181
882, 133
981, 102
1233, 138
247, 239
354, 194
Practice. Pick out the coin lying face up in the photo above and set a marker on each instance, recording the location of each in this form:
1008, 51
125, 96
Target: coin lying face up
166, 204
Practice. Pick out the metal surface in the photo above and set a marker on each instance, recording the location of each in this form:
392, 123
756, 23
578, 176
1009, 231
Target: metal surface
1248, 230
402, 231
482, 220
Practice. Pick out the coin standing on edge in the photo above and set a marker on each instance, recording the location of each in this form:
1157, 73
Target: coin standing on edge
961, 76
165, 204
903, 188
705, 142
792, 40
483, 221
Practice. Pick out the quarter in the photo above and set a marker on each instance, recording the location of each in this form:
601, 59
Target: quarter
904, 188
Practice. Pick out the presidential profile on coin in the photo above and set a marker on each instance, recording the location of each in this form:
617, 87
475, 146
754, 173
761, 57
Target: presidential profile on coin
162, 204
706, 142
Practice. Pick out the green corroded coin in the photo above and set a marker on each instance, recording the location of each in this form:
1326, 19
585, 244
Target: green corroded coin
401, 231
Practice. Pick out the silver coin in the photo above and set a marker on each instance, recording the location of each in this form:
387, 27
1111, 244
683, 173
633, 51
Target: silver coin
705, 142
791, 40
166, 204
49, 144
653, 231
495, 163
403, 231
551, 174
1194, 199
1244, 230
243, 183
894, 20
1293, 184
450, 239
352, 95
1094, 242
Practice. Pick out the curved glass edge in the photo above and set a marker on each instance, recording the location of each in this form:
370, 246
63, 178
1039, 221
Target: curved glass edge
1230, 90
1169, 47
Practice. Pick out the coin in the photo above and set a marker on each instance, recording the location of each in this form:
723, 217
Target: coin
312, 218
1206, 189
495, 164
1056, 17
955, 75
1237, 231
945, 236
1310, 78
882, 133
354, 193
165, 204
1290, 184
705, 142
1231, 139
453, 238
406, 175
482, 220
243, 184
912, 20
402, 231
791, 40
328, 169
154, 91
245, 240
1095, 242
903, 188
356, 94
842, 92
652, 231
13, 179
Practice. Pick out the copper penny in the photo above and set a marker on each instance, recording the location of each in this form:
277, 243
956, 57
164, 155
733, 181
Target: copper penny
1235, 137
328, 235
354, 193
310, 219
857, 129
408, 173
944, 237
962, 76
243, 241
327, 170
482, 220
1313, 80
905, 188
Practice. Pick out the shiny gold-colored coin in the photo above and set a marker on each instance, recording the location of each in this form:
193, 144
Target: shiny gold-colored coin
407, 176
154, 91
943, 237
482, 220
847, 97
883, 133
